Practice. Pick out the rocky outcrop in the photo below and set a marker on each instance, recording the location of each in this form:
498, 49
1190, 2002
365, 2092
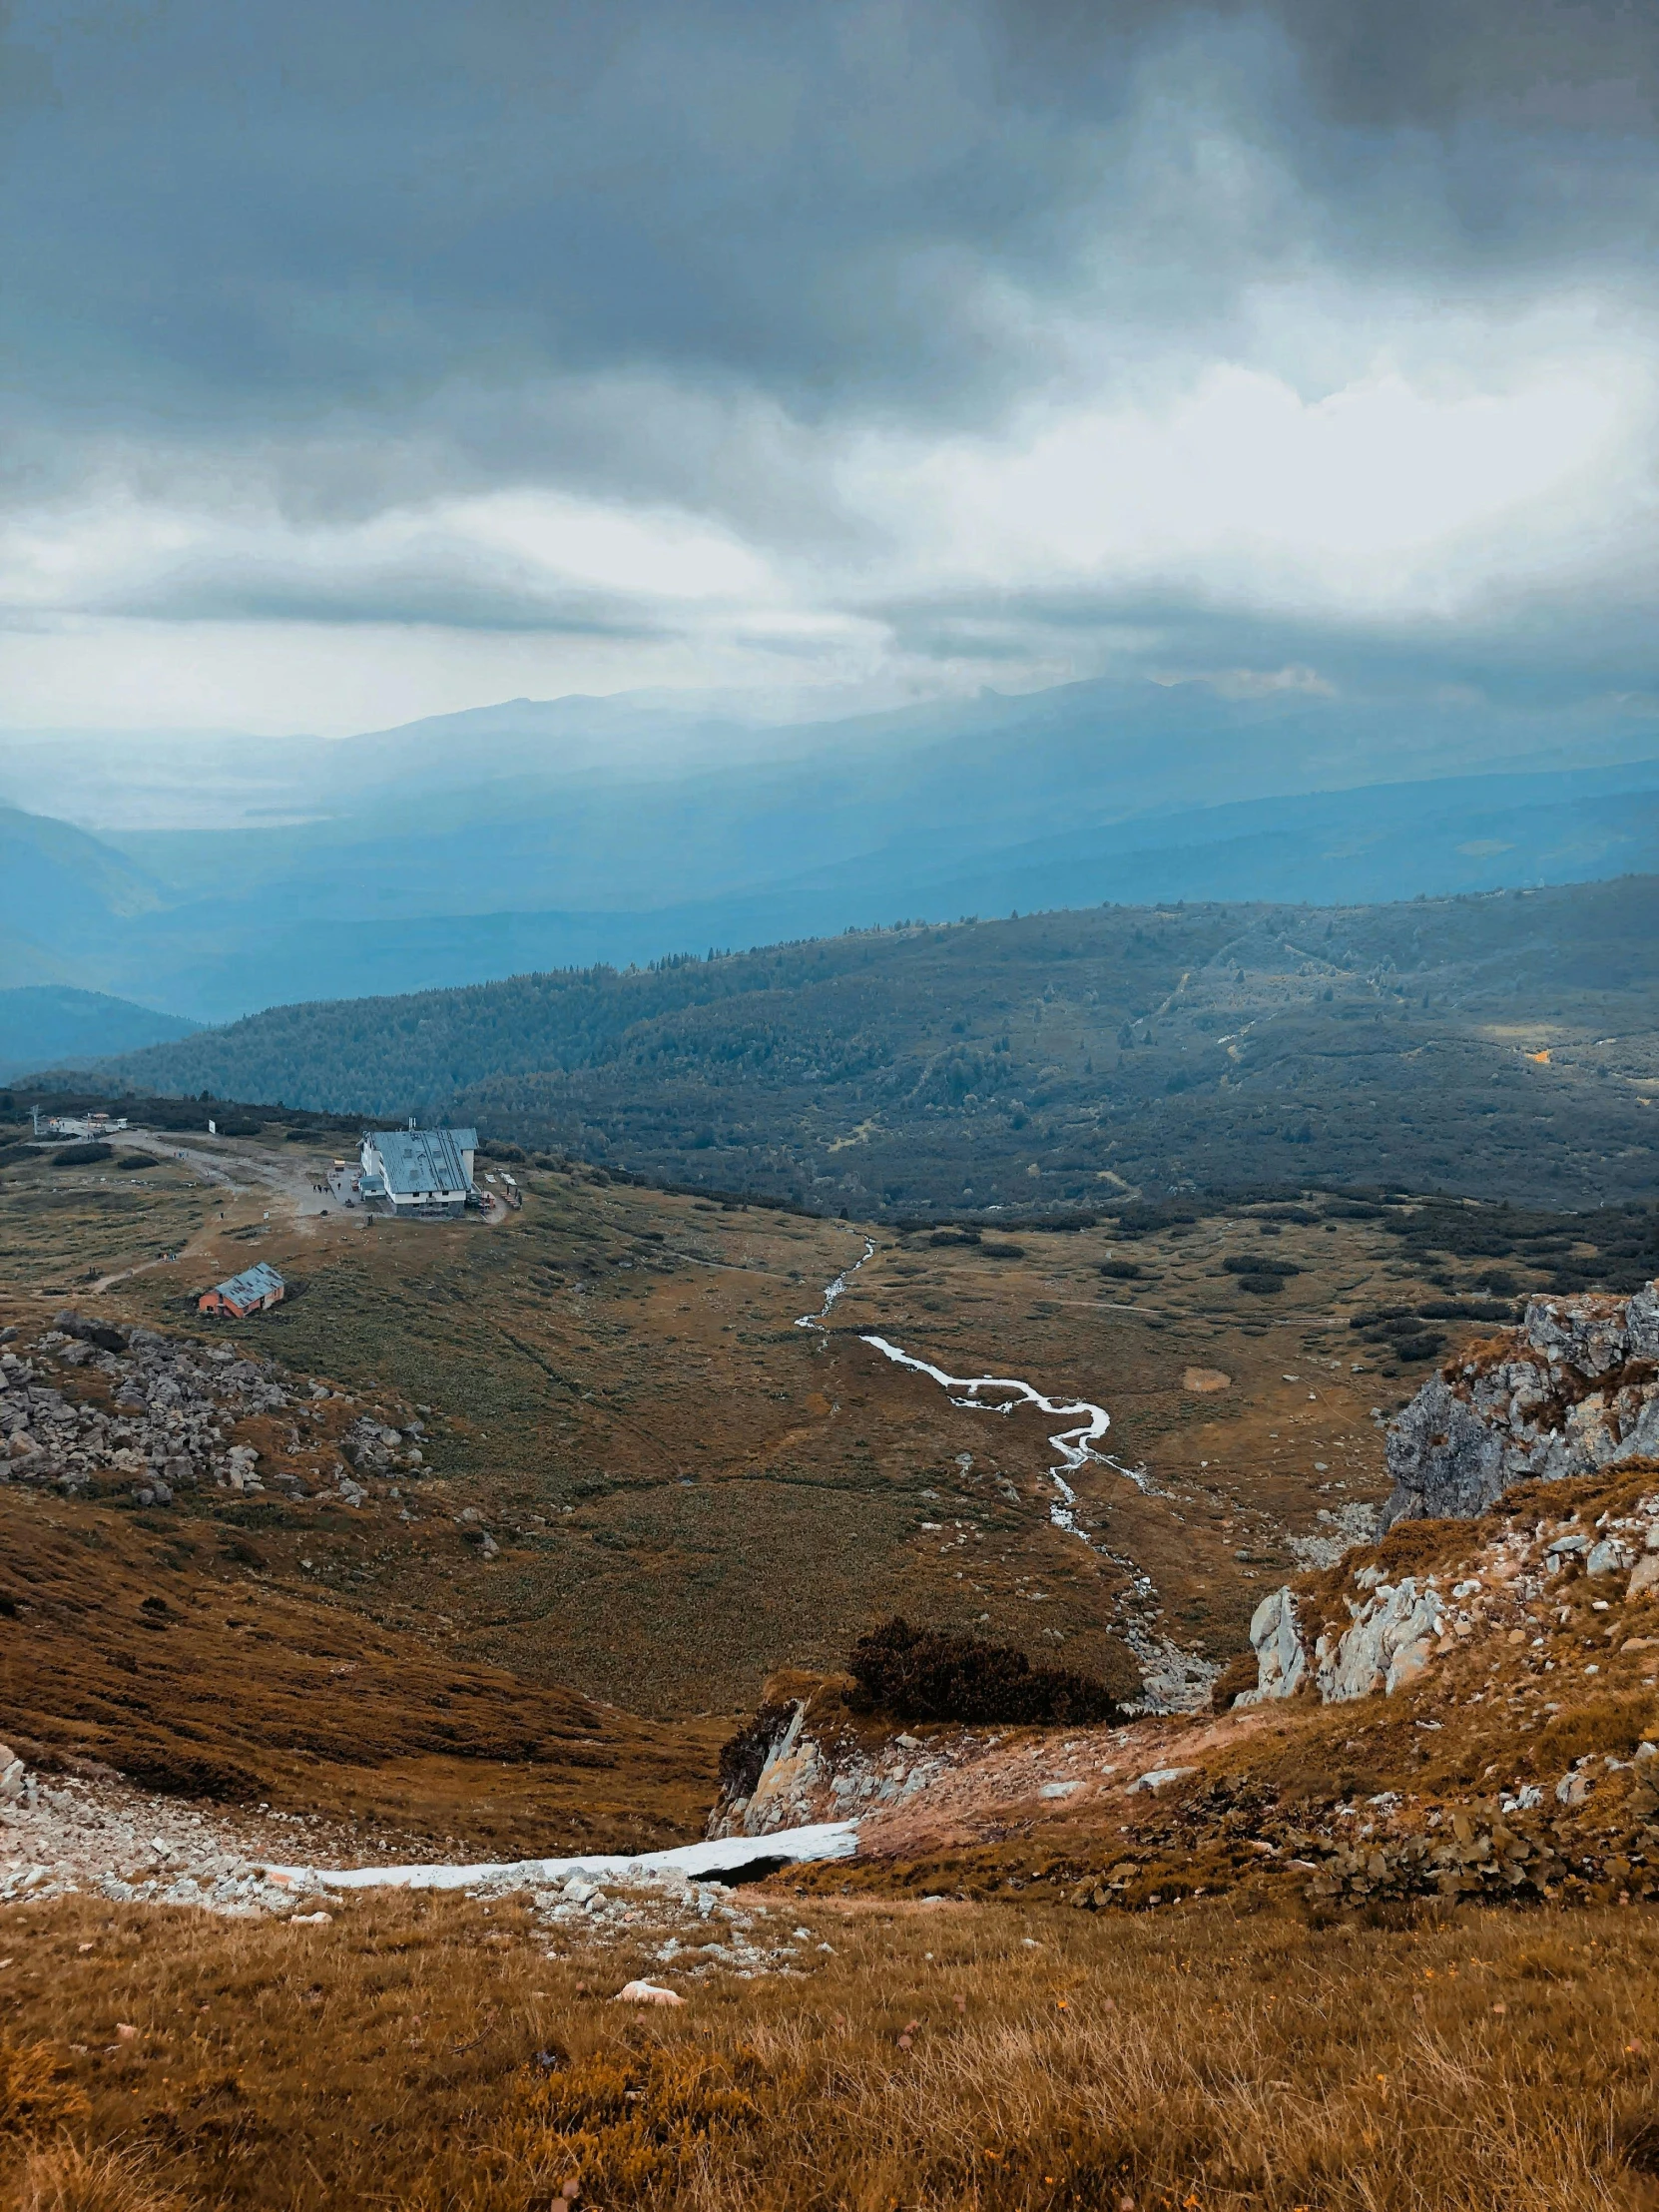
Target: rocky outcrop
1280, 1657
819, 1768
1387, 1642
1396, 1630
161, 1414
1573, 1390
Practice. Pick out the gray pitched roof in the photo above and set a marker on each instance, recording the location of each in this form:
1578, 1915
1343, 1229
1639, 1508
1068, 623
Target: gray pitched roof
256, 1282
417, 1160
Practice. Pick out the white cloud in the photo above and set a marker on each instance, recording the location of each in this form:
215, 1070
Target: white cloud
1385, 494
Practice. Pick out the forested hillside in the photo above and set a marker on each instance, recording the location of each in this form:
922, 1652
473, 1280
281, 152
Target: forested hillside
1507, 1043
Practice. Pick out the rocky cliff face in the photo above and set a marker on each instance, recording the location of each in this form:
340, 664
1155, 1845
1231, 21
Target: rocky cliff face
1573, 1390
1377, 1634
1571, 1394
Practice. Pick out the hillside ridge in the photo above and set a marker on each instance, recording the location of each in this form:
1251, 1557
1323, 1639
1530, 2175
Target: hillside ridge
1502, 1041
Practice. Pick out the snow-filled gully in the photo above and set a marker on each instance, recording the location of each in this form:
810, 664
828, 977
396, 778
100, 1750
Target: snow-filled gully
1172, 1677
728, 1858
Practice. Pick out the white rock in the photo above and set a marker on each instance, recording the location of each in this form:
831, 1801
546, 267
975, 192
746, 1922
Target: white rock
1159, 1778
1387, 1644
1281, 1656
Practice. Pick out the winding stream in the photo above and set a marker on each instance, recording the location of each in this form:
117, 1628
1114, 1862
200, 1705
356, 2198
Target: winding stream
1172, 1678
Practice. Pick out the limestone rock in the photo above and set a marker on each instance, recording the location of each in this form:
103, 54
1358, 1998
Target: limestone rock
1387, 1644
1281, 1656
1571, 1391
1445, 1460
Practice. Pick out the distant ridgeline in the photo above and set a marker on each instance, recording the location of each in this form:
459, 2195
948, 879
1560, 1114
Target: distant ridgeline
1495, 1044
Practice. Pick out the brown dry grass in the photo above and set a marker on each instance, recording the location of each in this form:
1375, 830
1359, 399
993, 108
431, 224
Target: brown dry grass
151, 1650
64, 2177
687, 1490
995, 2057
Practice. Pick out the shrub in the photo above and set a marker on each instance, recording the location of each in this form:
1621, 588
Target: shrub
1259, 1263
133, 1160
81, 1155
1428, 1346
1122, 1271
1465, 1309
1264, 1286
938, 1674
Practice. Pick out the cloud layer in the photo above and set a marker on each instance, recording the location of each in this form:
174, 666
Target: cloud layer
371, 362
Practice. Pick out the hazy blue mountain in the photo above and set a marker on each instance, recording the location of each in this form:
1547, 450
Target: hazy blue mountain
539, 834
49, 1025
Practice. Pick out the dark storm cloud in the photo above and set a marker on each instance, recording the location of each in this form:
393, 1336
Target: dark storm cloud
1541, 648
252, 208
274, 273
1424, 63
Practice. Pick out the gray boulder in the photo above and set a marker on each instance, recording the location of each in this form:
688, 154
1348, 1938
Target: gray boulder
1571, 1391
1446, 1460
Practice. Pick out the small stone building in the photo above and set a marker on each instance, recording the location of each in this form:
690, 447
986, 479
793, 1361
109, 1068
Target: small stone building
249, 1292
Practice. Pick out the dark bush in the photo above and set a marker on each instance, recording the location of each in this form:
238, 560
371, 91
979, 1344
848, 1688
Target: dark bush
1003, 1251
1264, 1286
1417, 1347
1258, 1263
938, 1674
1144, 1219
81, 1155
1122, 1271
132, 1160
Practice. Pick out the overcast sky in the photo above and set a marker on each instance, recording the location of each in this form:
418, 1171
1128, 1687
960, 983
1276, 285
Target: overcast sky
361, 362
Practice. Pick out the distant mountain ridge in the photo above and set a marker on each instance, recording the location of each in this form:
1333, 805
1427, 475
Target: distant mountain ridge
531, 837
51, 1025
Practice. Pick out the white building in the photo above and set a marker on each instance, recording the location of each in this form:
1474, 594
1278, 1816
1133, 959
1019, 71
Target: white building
78, 1125
418, 1170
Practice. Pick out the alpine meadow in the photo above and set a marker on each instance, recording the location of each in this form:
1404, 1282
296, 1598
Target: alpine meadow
828, 1107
